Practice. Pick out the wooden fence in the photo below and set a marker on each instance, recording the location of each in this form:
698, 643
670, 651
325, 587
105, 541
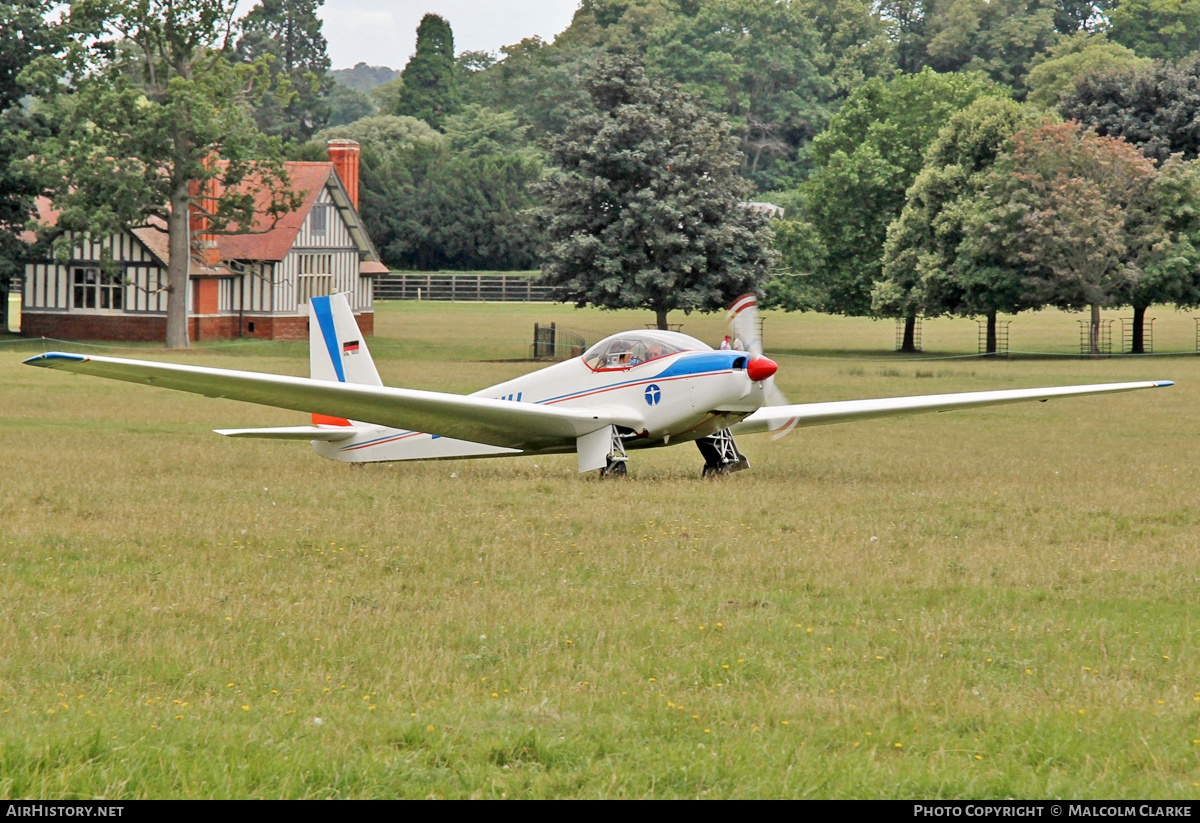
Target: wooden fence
473, 287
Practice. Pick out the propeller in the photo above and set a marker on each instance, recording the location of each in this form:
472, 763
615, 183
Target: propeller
747, 331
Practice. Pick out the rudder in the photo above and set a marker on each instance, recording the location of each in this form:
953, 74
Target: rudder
337, 350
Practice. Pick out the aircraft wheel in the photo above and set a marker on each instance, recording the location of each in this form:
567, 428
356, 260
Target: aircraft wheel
614, 469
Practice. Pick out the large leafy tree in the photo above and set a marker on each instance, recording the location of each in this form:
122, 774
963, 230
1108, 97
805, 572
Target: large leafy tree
643, 207
1157, 28
287, 33
456, 200
25, 35
909, 25
430, 90
853, 41
397, 153
923, 270
996, 37
1170, 265
1156, 107
865, 161
1072, 58
754, 62
154, 129
1071, 211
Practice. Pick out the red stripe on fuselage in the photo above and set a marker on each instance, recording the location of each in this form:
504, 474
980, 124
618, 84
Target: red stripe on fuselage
632, 384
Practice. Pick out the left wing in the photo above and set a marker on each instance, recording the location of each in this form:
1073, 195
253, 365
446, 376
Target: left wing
504, 423
782, 419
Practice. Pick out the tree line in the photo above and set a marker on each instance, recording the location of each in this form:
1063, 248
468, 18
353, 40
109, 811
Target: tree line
934, 157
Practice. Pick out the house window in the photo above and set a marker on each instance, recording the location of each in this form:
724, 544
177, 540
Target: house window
315, 276
96, 290
318, 220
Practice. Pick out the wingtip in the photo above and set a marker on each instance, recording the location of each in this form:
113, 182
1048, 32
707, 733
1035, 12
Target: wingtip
52, 358
1158, 384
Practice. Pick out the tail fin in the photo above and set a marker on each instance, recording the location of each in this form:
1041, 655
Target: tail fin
336, 348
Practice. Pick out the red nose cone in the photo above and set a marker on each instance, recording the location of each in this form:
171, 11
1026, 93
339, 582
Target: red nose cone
760, 368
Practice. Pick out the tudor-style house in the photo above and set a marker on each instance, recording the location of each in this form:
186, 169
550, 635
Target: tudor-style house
254, 285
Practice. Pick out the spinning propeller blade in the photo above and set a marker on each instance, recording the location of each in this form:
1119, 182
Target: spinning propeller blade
743, 316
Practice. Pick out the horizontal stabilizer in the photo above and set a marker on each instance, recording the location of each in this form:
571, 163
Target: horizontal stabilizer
306, 433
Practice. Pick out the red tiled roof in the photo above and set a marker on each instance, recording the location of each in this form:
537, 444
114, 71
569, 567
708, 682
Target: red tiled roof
306, 179
272, 244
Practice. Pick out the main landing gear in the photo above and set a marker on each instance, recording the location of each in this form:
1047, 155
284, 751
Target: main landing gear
721, 455
617, 458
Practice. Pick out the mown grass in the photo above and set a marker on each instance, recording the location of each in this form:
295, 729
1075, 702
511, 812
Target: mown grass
997, 603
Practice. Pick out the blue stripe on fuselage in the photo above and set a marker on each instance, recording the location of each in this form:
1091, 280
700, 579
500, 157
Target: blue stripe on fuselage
690, 364
699, 362
324, 313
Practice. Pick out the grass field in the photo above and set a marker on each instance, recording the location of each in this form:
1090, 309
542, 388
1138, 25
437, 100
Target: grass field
988, 604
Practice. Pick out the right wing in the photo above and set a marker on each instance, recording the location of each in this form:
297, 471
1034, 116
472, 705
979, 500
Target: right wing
504, 423
782, 419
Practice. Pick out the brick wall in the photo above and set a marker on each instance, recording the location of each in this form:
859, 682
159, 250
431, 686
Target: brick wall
153, 328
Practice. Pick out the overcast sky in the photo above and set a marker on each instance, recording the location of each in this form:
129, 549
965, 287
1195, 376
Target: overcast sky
384, 32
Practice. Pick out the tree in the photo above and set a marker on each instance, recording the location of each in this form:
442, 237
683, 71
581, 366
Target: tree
24, 36
363, 78
1161, 29
446, 201
1071, 16
155, 131
643, 206
755, 63
865, 161
1168, 258
1071, 211
1073, 57
924, 272
853, 40
909, 26
288, 33
430, 91
996, 37
396, 155
1156, 107
347, 105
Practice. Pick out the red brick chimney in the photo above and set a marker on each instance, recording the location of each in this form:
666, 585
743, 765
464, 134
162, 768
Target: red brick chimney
344, 156
203, 203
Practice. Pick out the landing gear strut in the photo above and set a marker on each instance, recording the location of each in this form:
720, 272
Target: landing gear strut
721, 455
616, 457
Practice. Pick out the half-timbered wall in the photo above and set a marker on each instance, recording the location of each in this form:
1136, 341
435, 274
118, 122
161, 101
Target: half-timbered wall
51, 286
256, 298
323, 260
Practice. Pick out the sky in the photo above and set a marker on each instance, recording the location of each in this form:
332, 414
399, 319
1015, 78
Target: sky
384, 32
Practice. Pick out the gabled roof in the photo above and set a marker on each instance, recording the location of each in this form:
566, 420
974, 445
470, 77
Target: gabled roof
306, 179
268, 242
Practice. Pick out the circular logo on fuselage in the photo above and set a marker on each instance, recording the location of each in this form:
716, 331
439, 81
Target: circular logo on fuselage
653, 394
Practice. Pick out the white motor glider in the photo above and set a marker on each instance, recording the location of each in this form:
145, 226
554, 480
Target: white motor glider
634, 390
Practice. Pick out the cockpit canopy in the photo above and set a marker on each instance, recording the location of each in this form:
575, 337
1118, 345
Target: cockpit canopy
628, 349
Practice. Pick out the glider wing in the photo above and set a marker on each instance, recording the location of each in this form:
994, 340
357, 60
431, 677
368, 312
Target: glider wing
782, 419
504, 423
